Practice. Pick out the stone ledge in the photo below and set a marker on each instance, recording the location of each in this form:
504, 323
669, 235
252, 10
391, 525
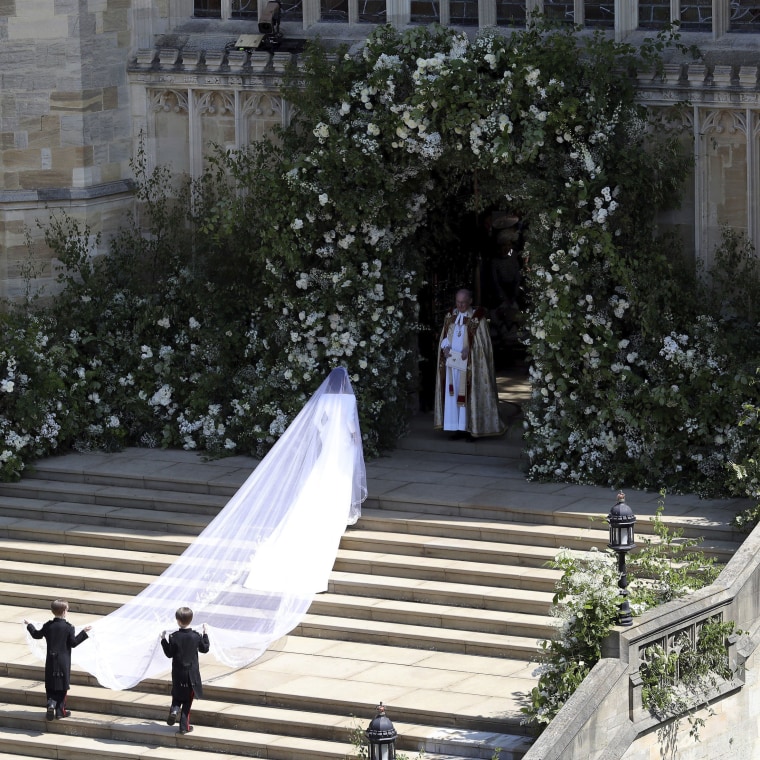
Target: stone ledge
67, 193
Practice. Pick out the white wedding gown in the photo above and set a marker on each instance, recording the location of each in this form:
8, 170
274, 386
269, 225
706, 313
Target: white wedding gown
300, 553
251, 575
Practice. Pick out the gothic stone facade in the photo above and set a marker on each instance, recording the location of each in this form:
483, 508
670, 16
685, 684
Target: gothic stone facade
84, 82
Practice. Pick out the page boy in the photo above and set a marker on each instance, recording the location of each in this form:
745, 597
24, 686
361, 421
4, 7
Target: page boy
60, 638
183, 647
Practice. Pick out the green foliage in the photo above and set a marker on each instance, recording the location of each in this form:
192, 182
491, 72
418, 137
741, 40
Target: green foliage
684, 678
587, 604
37, 410
224, 302
670, 566
731, 286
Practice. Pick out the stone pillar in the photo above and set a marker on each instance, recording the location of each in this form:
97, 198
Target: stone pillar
486, 13
579, 12
721, 18
533, 6
142, 24
398, 12
311, 12
626, 18
444, 12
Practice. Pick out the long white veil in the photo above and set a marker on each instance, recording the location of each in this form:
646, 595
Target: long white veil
251, 575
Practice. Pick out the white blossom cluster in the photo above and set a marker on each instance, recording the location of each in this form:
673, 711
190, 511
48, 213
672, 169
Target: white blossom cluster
605, 205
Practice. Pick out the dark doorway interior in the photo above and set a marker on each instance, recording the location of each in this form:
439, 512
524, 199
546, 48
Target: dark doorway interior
481, 251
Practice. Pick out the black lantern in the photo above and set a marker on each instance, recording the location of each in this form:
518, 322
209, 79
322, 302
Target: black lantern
381, 736
622, 520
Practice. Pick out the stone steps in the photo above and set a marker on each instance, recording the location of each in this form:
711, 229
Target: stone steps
362, 619
718, 540
37, 743
404, 595
260, 695
248, 729
114, 487
247, 721
435, 604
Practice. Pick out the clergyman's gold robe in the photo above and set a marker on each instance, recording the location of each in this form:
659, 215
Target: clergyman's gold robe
480, 400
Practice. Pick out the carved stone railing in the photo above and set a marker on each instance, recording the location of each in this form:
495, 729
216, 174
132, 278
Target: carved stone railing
668, 639
592, 719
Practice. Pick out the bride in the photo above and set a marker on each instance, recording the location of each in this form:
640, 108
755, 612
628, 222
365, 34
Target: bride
299, 554
251, 575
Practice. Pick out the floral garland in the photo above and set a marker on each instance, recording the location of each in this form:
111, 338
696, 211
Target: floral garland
334, 218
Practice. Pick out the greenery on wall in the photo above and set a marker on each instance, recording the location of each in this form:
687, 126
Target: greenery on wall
587, 605
224, 303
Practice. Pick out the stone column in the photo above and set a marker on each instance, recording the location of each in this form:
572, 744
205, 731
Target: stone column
533, 6
486, 13
721, 18
311, 13
398, 12
142, 24
626, 18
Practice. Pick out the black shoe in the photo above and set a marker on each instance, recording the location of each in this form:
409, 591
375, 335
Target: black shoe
63, 714
50, 714
187, 730
458, 435
172, 719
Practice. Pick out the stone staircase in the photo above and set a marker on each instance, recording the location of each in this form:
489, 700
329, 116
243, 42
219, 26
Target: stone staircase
437, 598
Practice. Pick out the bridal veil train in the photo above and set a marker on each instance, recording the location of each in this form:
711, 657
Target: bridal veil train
251, 575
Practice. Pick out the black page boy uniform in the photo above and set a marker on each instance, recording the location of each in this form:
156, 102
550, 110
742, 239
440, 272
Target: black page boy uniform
183, 647
60, 638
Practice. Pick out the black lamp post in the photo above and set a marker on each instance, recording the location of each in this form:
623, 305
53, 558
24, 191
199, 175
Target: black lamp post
381, 736
622, 520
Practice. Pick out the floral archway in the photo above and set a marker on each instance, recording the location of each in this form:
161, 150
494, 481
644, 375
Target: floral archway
317, 256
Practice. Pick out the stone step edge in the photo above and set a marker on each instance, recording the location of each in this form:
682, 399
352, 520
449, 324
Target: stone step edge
94, 536
369, 542
39, 744
70, 534
394, 584
390, 611
79, 555
507, 549
595, 532
360, 629
390, 588
108, 493
359, 580
118, 517
213, 712
476, 642
126, 497
282, 700
90, 726
403, 503
395, 544
488, 575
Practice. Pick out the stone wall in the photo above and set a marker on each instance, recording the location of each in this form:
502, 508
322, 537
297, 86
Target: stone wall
82, 82
65, 121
